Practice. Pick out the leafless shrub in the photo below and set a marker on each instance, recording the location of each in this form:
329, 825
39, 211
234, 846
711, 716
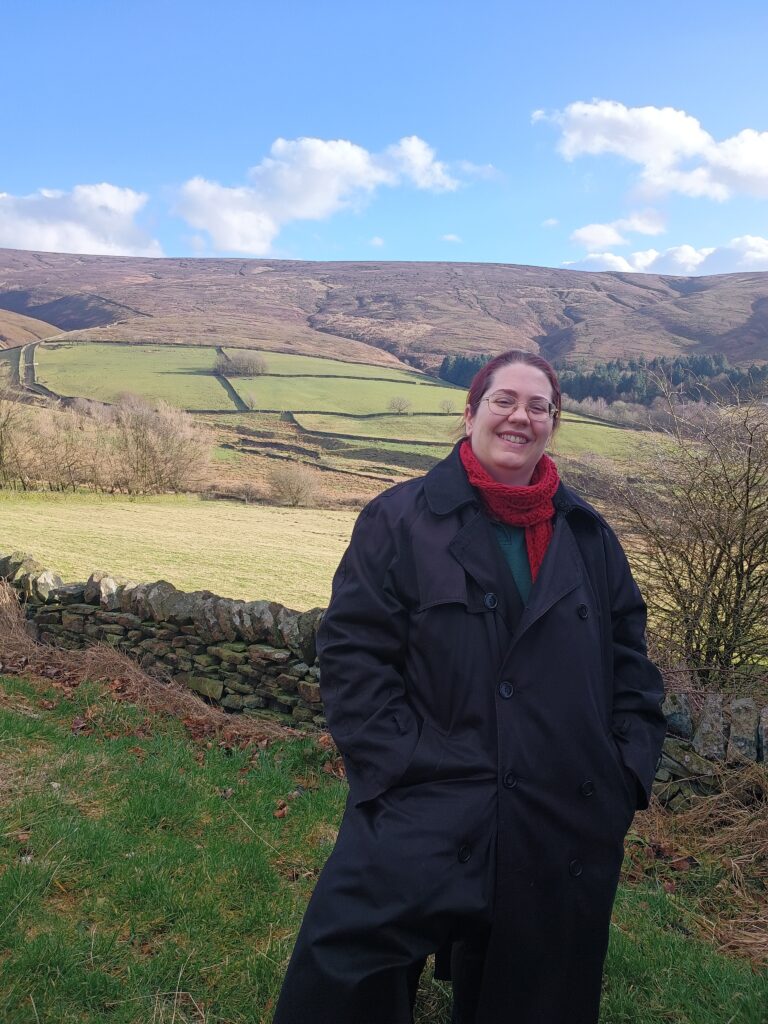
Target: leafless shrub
241, 364
399, 404
294, 483
700, 520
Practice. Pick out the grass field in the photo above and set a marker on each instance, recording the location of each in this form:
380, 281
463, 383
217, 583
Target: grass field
574, 437
294, 365
342, 395
145, 879
169, 373
249, 552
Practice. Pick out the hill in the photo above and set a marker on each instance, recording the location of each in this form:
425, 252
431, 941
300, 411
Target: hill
382, 312
17, 329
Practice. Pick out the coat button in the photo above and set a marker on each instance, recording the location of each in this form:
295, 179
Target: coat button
582, 611
506, 689
510, 780
490, 601
575, 868
587, 788
465, 853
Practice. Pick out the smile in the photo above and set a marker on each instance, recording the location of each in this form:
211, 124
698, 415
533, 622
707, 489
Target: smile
513, 438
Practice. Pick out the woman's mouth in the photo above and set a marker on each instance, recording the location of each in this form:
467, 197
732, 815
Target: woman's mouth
513, 438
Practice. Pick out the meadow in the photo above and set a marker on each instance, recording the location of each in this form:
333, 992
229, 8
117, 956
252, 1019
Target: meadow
178, 375
148, 874
241, 551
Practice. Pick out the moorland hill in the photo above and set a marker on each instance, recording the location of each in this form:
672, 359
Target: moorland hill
381, 312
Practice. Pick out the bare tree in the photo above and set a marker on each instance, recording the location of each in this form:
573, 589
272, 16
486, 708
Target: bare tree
14, 419
294, 483
448, 406
241, 364
398, 404
700, 523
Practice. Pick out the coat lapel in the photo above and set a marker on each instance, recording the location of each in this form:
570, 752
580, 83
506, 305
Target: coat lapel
561, 572
475, 548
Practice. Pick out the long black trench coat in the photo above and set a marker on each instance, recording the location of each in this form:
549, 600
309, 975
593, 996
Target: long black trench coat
495, 755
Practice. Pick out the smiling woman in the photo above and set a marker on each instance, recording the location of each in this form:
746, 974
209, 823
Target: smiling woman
484, 674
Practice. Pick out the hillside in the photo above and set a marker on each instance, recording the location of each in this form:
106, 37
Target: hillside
17, 329
377, 312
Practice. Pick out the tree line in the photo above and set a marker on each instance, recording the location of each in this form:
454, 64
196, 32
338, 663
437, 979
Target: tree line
639, 380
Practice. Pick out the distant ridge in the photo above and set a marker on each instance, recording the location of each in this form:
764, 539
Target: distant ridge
382, 312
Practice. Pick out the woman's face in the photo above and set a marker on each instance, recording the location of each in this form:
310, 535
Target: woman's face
508, 447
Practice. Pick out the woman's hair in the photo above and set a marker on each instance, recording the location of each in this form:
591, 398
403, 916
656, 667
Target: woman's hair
481, 382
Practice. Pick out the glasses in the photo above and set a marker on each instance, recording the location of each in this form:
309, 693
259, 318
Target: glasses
502, 404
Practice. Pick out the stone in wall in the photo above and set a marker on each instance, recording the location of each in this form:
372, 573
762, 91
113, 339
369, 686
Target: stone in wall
742, 742
677, 711
709, 740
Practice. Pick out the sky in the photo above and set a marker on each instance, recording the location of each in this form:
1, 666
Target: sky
596, 136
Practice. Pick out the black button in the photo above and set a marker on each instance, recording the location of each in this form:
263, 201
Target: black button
464, 854
506, 689
575, 868
587, 788
490, 600
582, 611
510, 780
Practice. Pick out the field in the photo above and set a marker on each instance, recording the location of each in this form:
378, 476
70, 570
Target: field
145, 878
284, 363
179, 376
249, 552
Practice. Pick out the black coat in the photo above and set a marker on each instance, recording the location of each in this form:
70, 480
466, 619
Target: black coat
495, 755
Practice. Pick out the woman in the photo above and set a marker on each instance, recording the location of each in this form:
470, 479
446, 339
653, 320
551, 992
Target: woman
484, 674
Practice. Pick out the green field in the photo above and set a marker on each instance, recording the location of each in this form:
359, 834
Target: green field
341, 395
249, 552
574, 437
179, 376
294, 365
145, 879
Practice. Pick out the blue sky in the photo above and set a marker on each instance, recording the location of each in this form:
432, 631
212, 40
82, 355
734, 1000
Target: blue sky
596, 135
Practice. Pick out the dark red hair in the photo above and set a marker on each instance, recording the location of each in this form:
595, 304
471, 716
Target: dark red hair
483, 379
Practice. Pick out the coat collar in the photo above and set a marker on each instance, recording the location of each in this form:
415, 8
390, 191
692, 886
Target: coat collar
447, 488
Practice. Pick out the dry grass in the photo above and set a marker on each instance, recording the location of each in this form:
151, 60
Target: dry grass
125, 680
727, 831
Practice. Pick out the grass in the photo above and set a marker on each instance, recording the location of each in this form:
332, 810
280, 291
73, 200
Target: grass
575, 436
228, 548
145, 878
177, 375
294, 365
328, 395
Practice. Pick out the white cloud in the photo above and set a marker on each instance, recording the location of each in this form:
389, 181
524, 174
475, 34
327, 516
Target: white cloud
376, 241
673, 150
304, 179
486, 172
550, 222
450, 238
742, 254
595, 237
416, 160
93, 219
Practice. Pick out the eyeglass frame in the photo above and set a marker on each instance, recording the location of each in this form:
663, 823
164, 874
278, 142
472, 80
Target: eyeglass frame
551, 412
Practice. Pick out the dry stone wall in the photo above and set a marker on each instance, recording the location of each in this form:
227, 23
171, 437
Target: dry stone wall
256, 655
244, 655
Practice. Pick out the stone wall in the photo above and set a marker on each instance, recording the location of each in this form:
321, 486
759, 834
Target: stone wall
241, 654
247, 655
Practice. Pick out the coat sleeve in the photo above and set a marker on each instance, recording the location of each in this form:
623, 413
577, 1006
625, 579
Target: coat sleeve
361, 645
638, 723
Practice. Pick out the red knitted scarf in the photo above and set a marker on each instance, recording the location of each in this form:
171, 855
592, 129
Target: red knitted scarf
529, 506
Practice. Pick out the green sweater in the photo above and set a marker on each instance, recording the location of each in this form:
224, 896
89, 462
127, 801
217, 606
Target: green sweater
512, 542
